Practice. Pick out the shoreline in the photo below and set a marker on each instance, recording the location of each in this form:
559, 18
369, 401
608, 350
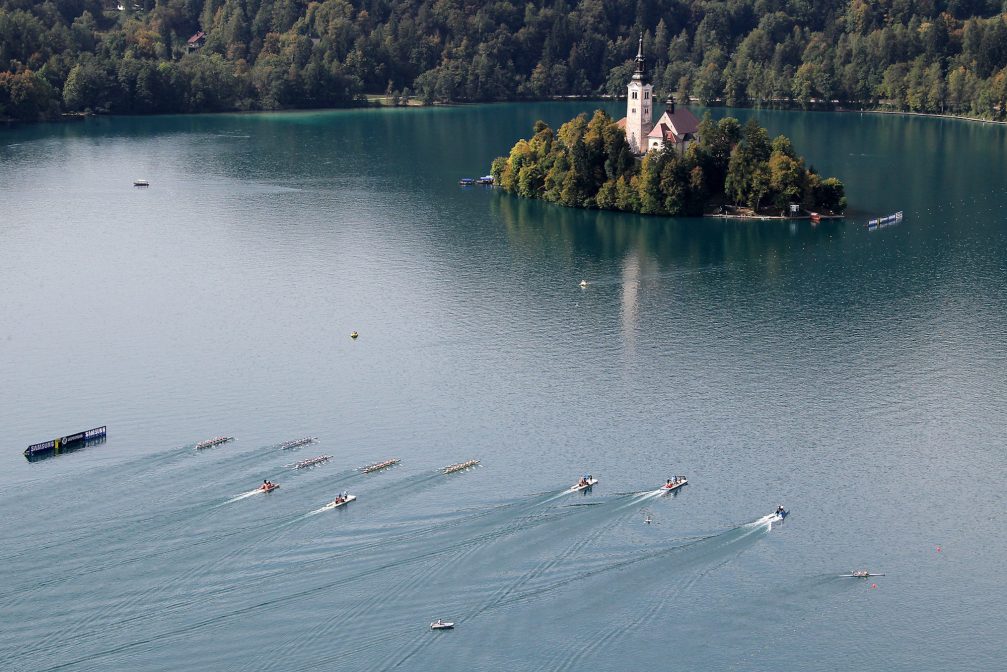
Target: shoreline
370, 101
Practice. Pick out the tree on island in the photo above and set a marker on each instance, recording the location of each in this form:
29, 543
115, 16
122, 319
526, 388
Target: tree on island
588, 164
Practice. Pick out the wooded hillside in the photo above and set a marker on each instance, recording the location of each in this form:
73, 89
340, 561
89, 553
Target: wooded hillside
75, 55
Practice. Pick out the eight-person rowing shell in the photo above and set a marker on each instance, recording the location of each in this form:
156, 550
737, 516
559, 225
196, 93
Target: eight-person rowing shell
268, 486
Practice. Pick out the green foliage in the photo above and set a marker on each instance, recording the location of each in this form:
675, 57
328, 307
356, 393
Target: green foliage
928, 56
588, 164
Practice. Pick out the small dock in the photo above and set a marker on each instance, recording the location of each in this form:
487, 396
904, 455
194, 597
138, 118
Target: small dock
66, 444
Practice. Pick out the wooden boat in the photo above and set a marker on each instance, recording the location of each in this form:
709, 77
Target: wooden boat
581, 486
452, 468
215, 441
378, 466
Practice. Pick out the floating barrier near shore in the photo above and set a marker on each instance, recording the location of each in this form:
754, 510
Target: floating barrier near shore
65, 444
450, 469
215, 441
296, 443
881, 222
378, 466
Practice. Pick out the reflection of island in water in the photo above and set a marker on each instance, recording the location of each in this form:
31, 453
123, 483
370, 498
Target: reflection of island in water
686, 243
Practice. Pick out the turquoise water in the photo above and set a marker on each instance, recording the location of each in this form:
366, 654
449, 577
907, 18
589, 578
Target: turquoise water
855, 376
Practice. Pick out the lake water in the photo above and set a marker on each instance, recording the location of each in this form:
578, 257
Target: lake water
857, 377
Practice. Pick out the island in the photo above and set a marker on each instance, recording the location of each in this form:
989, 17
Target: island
676, 166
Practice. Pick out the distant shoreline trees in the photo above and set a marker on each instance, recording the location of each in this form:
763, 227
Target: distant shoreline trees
588, 164
134, 57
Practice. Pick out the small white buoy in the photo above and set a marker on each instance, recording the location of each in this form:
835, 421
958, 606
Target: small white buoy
583, 283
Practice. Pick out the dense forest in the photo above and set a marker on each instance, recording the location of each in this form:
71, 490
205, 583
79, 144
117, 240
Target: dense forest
589, 164
136, 57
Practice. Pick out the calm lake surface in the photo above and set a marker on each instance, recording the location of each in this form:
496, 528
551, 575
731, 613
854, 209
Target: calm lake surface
859, 378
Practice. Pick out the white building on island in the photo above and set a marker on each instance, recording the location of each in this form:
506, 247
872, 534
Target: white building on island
677, 128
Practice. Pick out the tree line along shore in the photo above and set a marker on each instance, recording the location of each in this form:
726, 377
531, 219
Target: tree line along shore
168, 56
589, 164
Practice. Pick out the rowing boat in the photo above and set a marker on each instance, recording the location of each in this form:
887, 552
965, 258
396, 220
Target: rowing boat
378, 466
287, 445
335, 505
311, 462
452, 468
215, 441
859, 575
580, 487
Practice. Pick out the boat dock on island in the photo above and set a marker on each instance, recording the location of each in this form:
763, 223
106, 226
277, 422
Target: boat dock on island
215, 441
882, 222
65, 444
378, 466
310, 462
296, 443
461, 466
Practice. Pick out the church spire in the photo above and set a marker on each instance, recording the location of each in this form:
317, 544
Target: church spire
639, 73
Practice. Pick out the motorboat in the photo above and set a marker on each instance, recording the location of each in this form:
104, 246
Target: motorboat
675, 483
440, 624
859, 574
270, 487
583, 484
141, 183
340, 501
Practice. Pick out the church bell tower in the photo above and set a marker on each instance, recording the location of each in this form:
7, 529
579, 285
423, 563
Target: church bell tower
639, 105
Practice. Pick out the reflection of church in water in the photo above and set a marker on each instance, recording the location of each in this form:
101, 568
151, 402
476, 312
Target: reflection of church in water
676, 128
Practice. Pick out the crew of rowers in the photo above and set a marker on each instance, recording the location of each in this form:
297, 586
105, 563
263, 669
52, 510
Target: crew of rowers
672, 482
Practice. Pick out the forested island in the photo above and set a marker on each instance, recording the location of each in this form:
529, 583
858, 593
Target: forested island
589, 164
162, 56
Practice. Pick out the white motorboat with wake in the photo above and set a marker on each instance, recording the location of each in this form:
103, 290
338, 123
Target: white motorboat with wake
440, 624
583, 484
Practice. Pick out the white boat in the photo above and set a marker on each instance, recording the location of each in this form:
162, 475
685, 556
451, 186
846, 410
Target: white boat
442, 625
335, 504
580, 487
675, 484
141, 183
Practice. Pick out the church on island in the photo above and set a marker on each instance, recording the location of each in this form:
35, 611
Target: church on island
676, 128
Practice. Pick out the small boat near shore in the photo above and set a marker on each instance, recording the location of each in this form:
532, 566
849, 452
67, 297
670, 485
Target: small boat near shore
297, 443
378, 466
215, 441
310, 462
461, 466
